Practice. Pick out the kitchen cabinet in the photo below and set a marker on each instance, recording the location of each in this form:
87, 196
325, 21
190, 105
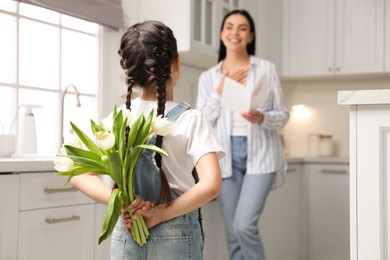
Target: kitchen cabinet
369, 168
328, 211
333, 37
282, 225
55, 222
9, 198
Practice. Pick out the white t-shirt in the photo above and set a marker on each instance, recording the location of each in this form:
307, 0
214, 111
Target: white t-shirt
191, 137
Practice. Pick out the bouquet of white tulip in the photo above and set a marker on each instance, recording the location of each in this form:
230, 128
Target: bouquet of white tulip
115, 154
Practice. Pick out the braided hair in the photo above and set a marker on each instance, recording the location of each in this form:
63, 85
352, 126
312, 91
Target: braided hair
147, 51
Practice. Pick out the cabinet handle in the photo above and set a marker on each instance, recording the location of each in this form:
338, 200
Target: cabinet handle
291, 169
59, 190
59, 220
334, 171
338, 69
330, 69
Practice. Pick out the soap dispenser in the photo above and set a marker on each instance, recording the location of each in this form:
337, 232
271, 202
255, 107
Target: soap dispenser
27, 136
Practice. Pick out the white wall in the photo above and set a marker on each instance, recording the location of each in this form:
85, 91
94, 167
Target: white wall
326, 116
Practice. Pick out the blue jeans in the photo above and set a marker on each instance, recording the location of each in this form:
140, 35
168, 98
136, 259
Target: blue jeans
180, 238
242, 201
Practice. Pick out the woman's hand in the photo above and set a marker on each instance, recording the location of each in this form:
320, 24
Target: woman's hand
139, 208
253, 116
239, 76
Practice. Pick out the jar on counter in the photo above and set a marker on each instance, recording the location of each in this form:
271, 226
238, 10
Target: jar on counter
326, 145
313, 145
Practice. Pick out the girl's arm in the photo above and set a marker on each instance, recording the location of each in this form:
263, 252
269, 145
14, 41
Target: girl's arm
208, 188
91, 185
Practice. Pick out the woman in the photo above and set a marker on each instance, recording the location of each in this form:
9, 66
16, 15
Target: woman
151, 62
254, 160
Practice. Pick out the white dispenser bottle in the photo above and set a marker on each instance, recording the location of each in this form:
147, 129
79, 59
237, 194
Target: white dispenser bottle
27, 135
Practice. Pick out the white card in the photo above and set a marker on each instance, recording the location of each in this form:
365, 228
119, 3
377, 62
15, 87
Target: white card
239, 98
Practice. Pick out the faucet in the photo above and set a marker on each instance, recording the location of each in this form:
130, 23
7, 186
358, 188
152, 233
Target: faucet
78, 104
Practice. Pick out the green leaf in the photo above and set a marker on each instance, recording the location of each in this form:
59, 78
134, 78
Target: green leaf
154, 148
135, 130
145, 130
116, 127
88, 162
96, 128
114, 166
112, 214
71, 150
121, 140
79, 170
86, 140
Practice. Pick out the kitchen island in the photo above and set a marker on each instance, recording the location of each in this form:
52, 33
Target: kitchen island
369, 171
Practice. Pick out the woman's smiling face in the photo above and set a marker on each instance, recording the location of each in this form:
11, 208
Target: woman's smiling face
236, 33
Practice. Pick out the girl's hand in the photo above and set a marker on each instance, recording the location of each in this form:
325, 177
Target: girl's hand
253, 116
139, 207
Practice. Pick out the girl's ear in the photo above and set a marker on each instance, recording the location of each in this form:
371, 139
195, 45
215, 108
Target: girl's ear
176, 63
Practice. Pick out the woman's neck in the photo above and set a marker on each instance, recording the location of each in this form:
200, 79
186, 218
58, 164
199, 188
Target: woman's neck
235, 59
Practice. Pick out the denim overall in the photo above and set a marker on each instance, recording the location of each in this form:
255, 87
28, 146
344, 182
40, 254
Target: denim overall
180, 238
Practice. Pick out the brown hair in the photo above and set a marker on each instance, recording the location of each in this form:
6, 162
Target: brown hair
147, 51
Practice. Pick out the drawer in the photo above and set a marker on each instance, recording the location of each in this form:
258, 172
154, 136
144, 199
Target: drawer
46, 190
61, 233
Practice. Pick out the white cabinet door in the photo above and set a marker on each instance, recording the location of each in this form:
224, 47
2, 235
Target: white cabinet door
282, 224
327, 37
359, 36
370, 182
309, 37
9, 199
61, 233
328, 195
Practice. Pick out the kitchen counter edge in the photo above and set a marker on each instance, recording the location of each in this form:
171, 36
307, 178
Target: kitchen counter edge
18, 165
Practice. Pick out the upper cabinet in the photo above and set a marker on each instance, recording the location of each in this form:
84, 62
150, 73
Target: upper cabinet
328, 37
195, 23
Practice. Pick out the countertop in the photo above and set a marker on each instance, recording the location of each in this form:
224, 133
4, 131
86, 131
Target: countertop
364, 97
17, 165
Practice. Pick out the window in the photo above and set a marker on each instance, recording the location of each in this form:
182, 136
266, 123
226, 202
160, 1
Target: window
42, 52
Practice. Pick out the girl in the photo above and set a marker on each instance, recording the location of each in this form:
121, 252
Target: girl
151, 62
254, 154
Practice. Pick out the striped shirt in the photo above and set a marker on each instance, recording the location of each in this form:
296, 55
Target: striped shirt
265, 151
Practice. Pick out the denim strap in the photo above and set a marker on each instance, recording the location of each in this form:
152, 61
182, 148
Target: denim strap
177, 111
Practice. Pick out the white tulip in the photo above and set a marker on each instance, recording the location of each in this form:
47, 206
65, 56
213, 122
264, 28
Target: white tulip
63, 164
161, 126
105, 140
74, 141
